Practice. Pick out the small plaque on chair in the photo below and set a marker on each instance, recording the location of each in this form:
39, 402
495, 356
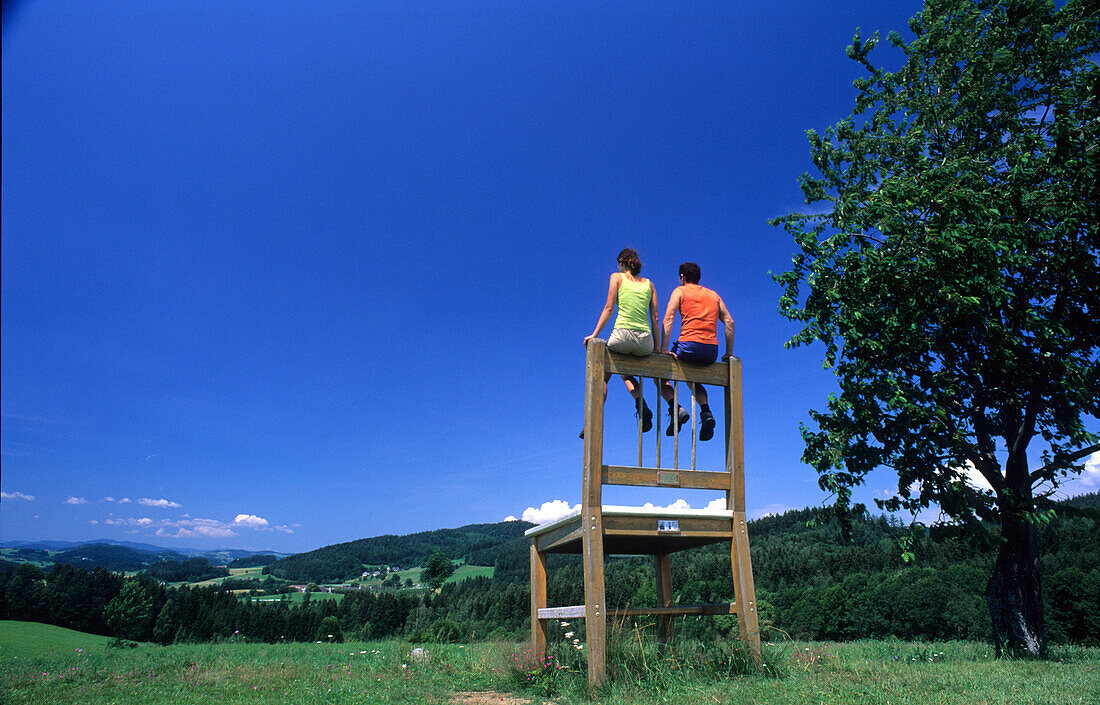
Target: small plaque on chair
668, 478
668, 526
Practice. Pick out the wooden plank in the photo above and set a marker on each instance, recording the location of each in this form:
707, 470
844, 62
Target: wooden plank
667, 367
663, 568
647, 525
555, 538
573, 612
675, 416
677, 610
538, 602
735, 438
651, 477
591, 515
694, 430
657, 423
577, 611
743, 585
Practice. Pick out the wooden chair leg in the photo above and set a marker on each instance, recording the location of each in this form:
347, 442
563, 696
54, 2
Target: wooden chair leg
538, 601
663, 564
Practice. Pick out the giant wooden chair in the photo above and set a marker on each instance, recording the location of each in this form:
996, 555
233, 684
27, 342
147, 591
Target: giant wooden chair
598, 530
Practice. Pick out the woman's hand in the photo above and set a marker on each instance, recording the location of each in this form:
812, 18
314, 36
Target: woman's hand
587, 338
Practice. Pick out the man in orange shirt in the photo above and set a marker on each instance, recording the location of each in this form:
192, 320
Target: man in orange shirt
700, 310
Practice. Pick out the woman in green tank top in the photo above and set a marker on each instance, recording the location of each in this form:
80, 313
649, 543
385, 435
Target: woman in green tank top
635, 329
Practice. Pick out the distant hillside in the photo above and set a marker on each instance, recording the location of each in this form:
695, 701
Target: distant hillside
116, 558
115, 555
477, 544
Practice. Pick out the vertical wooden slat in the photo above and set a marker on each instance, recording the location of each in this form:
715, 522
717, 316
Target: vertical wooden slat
674, 415
657, 420
641, 399
663, 565
694, 433
538, 601
595, 610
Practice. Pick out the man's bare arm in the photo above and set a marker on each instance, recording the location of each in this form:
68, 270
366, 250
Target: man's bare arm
727, 320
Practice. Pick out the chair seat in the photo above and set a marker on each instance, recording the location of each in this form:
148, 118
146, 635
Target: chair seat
638, 530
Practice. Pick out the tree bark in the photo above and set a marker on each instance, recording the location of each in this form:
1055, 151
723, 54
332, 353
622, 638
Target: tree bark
1014, 593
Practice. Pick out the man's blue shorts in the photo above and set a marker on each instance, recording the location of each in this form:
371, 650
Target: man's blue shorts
698, 353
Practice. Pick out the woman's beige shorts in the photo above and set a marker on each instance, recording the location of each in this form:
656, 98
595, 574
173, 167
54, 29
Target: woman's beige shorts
630, 342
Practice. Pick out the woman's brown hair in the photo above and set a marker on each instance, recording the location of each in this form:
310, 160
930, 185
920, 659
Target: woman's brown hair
629, 259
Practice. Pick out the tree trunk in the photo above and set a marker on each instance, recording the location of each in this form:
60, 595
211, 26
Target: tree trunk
1014, 594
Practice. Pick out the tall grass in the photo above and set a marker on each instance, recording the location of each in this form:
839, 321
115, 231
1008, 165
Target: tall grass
640, 673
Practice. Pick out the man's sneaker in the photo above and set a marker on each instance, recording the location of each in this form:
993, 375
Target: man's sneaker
647, 416
682, 417
706, 426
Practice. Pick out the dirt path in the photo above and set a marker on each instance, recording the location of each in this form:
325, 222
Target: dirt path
491, 698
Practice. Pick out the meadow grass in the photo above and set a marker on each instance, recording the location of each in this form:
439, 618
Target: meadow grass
21, 640
875, 672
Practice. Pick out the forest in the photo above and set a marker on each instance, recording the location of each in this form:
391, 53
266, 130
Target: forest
812, 583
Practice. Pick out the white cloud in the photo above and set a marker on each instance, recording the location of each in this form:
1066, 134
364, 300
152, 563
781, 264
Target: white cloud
549, 511
143, 522
162, 503
510, 518
1090, 476
195, 527
93, 522
251, 521
76, 500
719, 503
16, 496
678, 504
124, 500
974, 477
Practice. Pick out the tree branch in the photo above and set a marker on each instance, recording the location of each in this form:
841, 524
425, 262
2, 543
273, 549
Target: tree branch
1063, 461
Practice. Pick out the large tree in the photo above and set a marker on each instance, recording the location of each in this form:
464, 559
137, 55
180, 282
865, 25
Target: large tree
950, 266
437, 571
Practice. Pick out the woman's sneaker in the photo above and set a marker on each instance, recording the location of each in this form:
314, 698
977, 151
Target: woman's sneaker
647, 415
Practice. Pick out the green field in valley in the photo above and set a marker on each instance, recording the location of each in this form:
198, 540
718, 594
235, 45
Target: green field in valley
66, 667
22, 640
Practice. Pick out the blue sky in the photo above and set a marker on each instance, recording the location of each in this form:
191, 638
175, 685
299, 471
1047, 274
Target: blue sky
279, 275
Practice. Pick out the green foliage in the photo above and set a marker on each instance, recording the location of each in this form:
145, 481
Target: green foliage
437, 570
192, 570
952, 274
130, 615
329, 630
253, 561
112, 557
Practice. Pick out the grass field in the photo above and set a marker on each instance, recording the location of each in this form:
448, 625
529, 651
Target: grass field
384, 673
294, 598
21, 640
